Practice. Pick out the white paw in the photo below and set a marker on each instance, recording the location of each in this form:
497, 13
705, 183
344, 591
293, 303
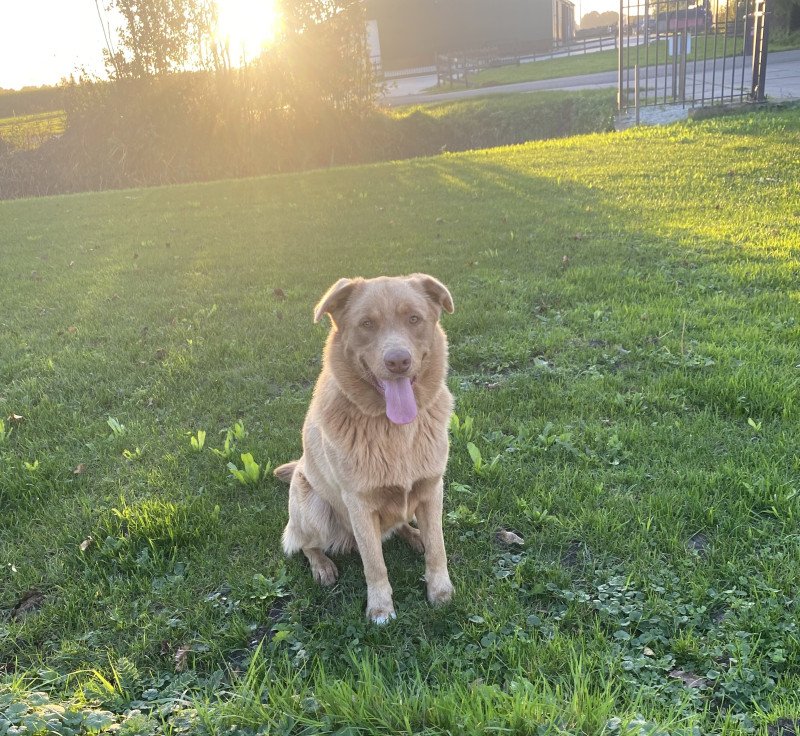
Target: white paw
440, 590
382, 619
381, 613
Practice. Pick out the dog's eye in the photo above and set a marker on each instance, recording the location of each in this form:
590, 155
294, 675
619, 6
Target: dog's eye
415, 319
366, 324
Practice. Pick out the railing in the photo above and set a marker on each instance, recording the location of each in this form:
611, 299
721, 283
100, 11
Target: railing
457, 68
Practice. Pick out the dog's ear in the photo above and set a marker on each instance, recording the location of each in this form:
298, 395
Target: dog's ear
434, 290
335, 298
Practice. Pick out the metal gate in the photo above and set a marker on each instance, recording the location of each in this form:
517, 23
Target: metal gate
691, 52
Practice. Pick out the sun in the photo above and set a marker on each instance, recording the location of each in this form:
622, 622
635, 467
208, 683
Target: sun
247, 27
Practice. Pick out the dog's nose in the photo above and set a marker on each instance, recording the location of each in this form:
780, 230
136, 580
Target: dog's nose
397, 360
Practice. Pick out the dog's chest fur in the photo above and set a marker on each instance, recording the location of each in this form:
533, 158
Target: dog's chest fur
375, 456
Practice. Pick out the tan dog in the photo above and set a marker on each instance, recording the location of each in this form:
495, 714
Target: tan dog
375, 439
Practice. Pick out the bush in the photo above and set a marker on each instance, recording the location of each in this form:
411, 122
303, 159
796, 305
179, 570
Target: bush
196, 127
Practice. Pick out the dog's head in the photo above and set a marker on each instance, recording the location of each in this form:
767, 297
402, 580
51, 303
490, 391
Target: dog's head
386, 346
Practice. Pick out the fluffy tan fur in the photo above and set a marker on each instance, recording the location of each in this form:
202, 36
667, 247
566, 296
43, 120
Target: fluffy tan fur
362, 477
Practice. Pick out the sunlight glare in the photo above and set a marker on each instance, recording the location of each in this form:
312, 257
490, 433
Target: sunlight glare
247, 27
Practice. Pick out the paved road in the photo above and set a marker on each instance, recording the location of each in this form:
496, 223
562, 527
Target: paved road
783, 83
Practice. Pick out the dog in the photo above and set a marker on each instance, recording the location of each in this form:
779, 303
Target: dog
375, 438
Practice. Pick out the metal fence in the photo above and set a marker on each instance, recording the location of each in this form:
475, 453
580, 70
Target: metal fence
691, 52
458, 67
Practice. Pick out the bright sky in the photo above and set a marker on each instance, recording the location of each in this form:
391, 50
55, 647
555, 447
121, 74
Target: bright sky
42, 41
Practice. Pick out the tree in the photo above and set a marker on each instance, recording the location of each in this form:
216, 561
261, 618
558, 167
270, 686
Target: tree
600, 20
324, 51
785, 16
157, 37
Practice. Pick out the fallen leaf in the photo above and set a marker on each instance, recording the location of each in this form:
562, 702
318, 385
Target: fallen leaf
181, 659
86, 543
79, 469
689, 678
648, 652
72, 329
506, 537
29, 603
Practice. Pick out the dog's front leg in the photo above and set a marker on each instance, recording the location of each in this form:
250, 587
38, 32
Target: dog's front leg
367, 531
429, 520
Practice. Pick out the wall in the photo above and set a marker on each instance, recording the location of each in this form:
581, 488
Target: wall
412, 32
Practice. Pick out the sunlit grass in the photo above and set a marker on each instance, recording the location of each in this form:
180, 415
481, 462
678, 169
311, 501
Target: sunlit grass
625, 341
30, 131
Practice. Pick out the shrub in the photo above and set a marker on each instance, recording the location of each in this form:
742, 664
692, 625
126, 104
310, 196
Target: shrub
201, 126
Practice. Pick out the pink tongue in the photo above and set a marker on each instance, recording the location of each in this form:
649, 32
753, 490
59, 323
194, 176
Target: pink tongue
401, 406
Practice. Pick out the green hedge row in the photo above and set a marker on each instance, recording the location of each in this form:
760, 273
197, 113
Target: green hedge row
171, 133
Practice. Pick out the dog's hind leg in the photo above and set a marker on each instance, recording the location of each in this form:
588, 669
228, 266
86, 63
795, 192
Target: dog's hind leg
412, 537
322, 567
312, 528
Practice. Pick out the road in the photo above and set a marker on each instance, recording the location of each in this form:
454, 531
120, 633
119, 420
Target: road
783, 83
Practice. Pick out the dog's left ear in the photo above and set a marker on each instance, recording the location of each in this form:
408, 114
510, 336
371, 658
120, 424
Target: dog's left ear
335, 298
434, 290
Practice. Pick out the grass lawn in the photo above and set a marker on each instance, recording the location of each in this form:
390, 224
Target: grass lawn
624, 343
535, 71
606, 61
30, 131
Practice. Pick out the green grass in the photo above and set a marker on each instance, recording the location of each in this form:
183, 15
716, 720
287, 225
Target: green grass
30, 131
625, 340
570, 66
605, 61
782, 40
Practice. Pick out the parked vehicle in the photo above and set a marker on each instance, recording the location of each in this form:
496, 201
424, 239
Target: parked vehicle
693, 19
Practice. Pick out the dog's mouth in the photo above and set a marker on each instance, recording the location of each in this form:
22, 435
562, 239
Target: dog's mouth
398, 393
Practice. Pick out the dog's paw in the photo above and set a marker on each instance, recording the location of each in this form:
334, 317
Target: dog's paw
412, 537
324, 571
380, 615
440, 590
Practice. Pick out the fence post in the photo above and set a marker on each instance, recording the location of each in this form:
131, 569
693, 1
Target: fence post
760, 38
621, 101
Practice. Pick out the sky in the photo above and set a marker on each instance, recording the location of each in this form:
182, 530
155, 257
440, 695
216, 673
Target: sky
42, 41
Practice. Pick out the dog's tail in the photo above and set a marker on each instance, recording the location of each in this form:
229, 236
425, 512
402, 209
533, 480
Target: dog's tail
285, 472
